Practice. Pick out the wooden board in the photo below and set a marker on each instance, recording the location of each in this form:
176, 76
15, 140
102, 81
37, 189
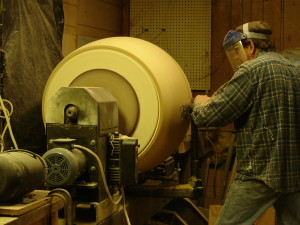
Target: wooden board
39, 198
38, 211
6, 220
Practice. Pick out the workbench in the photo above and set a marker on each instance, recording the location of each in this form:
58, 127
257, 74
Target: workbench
36, 208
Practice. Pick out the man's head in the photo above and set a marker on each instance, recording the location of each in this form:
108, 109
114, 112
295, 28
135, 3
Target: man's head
258, 38
246, 41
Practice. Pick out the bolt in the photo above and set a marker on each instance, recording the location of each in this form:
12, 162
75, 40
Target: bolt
92, 142
93, 168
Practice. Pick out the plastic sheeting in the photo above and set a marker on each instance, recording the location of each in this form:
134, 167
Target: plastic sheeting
31, 42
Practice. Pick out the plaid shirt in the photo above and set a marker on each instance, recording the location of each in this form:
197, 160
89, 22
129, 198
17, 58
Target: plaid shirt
263, 100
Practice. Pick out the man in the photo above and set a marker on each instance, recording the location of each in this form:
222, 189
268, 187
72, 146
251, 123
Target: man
263, 101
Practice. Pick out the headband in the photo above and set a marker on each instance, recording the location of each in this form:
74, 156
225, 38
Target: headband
254, 34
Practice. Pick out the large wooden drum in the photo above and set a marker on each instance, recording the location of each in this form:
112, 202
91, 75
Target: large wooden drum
147, 82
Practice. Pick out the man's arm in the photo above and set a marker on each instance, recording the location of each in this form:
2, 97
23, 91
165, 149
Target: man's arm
231, 100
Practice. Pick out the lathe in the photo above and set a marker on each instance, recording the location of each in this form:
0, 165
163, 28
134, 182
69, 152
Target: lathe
112, 115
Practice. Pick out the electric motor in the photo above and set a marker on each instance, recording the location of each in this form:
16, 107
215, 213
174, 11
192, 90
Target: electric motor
64, 166
21, 172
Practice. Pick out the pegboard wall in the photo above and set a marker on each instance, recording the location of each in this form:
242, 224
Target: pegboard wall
180, 27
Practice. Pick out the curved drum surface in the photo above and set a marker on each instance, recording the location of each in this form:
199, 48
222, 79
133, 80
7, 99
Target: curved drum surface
147, 82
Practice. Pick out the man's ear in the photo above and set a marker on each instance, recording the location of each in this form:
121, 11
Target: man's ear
252, 48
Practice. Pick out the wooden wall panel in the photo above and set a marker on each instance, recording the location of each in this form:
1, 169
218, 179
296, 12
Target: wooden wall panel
69, 36
291, 25
70, 12
220, 68
114, 2
91, 20
257, 10
69, 42
246, 10
274, 16
236, 13
94, 32
73, 2
100, 14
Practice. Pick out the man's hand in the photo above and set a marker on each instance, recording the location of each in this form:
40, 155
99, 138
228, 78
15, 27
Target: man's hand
202, 99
